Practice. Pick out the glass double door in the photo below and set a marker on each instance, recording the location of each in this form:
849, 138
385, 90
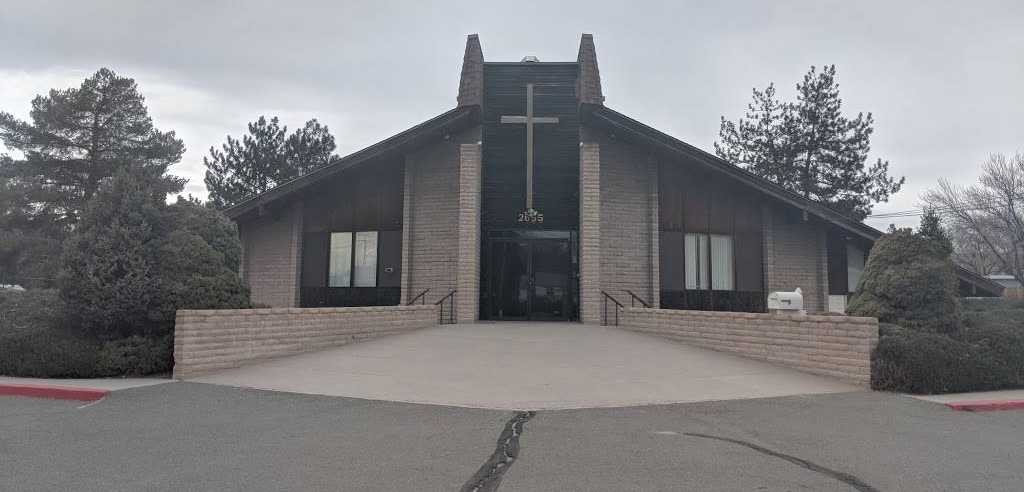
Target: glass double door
530, 278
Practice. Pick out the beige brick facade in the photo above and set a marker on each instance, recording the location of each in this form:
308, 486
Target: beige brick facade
796, 256
590, 232
835, 346
210, 340
271, 256
468, 296
430, 251
629, 222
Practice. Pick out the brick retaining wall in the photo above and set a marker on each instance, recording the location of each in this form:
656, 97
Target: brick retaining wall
209, 340
836, 346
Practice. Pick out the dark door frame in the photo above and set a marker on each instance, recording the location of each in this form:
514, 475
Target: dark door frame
531, 238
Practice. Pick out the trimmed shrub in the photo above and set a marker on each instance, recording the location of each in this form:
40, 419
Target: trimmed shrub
34, 342
920, 362
909, 280
135, 356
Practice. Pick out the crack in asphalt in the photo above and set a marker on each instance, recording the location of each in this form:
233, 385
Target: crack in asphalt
488, 477
838, 475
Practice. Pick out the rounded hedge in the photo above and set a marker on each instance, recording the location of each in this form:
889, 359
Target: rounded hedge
909, 280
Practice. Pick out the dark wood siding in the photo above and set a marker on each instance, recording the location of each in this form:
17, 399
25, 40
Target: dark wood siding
368, 199
692, 200
556, 155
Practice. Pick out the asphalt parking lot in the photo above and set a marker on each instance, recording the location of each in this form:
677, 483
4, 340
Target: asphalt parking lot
191, 436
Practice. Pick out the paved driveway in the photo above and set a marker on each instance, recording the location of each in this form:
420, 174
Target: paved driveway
527, 366
185, 436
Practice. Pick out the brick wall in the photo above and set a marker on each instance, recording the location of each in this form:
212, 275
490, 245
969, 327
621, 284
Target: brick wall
209, 340
628, 222
795, 256
430, 250
468, 296
835, 346
590, 232
272, 249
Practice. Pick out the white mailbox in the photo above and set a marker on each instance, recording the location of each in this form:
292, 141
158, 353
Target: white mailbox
786, 301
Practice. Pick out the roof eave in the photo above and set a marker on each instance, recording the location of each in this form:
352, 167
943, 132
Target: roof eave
618, 121
448, 122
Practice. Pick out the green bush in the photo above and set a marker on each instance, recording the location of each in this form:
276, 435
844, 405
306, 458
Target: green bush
135, 356
134, 260
922, 362
34, 341
909, 280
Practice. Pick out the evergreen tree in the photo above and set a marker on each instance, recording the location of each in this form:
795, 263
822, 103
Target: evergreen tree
931, 228
809, 146
265, 158
79, 138
109, 278
133, 260
75, 141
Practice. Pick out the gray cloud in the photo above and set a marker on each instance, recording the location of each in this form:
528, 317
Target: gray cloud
944, 82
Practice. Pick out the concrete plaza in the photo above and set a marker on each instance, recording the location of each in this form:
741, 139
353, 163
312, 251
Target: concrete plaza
526, 366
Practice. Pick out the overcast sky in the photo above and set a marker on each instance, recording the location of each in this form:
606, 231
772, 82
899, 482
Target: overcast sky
945, 83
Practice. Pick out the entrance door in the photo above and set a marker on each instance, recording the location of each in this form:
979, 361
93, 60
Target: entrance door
530, 279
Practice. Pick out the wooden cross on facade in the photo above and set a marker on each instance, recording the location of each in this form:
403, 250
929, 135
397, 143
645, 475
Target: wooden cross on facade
529, 120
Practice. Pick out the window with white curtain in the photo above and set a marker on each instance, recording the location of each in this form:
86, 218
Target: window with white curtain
854, 266
340, 264
708, 261
695, 248
365, 265
721, 262
353, 259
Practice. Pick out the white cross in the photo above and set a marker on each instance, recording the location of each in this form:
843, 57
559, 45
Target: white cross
529, 120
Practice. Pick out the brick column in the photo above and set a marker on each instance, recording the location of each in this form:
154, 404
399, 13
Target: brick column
407, 202
768, 249
590, 232
823, 268
296, 253
467, 302
652, 197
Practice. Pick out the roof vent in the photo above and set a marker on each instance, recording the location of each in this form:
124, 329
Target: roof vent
530, 59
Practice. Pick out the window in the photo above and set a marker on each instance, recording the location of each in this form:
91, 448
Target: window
353, 259
709, 260
365, 271
721, 262
854, 266
696, 250
340, 264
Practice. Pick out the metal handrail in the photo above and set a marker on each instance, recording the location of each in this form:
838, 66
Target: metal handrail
634, 298
419, 297
451, 309
604, 304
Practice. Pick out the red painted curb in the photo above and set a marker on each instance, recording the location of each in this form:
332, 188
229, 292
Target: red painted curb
986, 405
56, 392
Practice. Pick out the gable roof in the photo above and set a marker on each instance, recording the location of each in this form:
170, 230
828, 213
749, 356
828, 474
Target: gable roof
602, 116
593, 114
445, 123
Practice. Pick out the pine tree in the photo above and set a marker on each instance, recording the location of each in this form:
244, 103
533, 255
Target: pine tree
265, 158
134, 260
809, 146
79, 138
76, 140
931, 229
109, 278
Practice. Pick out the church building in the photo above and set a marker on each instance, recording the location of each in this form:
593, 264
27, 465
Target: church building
533, 200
